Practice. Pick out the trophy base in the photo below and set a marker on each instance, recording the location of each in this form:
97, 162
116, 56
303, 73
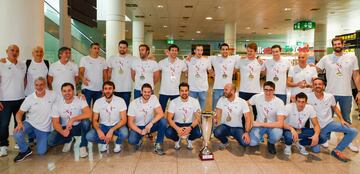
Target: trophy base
208, 157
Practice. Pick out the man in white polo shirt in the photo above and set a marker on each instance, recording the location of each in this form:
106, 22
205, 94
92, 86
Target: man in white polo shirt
300, 76
70, 117
270, 118
109, 119
92, 73
183, 116
146, 116
12, 75
35, 67
276, 71
198, 67
229, 112
38, 120
119, 72
297, 114
62, 71
224, 69
325, 104
144, 70
171, 69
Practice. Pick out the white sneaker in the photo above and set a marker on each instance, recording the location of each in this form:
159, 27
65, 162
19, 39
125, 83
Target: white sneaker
16, 146
287, 150
67, 146
83, 152
189, 144
177, 144
302, 149
326, 144
117, 148
3, 151
103, 147
353, 147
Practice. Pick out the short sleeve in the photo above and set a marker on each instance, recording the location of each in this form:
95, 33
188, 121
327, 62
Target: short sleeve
314, 72
55, 111
82, 62
280, 108
122, 105
96, 107
25, 106
312, 112
132, 109
208, 66
156, 66
332, 101
155, 101
320, 64
291, 72
76, 69
245, 106
171, 108
51, 70
355, 64
104, 63
184, 67
219, 104
252, 100
197, 106
83, 103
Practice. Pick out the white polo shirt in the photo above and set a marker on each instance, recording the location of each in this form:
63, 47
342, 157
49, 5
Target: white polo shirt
339, 72
121, 71
63, 74
250, 75
184, 110
224, 68
269, 110
298, 119
94, 68
66, 111
143, 112
232, 111
109, 113
323, 107
276, 72
170, 75
35, 71
299, 74
12, 80
144, 72
197, 74
39, 110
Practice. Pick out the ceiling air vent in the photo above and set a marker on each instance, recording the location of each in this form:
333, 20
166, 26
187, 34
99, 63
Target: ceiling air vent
137, 16
188, 6
131, 5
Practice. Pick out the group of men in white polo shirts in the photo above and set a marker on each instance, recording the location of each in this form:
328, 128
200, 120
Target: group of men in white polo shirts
107, 84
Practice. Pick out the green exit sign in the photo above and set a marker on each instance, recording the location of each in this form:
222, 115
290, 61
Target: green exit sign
170, 41
304, 25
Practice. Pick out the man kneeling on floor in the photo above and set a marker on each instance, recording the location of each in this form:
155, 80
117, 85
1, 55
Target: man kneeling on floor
71, 118
183, 117
298, 114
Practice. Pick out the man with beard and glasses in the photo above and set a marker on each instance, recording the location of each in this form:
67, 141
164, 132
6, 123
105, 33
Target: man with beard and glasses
109, 119
62, 71
340, 67
229, 111
324, 104
144, 70
183, 117
119, 72
146, 116
70, 117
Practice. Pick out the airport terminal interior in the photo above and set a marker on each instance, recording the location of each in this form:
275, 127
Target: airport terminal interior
306, 26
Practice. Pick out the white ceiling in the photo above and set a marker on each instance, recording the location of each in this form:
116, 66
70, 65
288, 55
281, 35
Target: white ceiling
262, 16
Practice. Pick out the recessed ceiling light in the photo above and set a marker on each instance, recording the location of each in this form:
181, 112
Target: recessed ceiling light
209, 18
198, 32
126, 30
287, 9
269, 33
192, 39
160, 6
248, 28
219, 7
247, 40
167, 36
165, 26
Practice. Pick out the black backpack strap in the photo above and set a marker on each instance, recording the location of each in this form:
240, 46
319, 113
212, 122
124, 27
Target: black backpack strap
28, 62
47, 64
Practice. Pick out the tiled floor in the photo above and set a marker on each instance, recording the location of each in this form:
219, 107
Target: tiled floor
235, 159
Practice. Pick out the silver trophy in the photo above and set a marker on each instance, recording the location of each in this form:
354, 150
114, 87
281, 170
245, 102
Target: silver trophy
206, 128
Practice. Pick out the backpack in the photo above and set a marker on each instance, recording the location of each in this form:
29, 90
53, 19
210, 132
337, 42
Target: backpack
28, 62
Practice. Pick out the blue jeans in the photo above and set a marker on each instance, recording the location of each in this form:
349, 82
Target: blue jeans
349, 134
40, 136
159, 126
163, 99
223, 131
124, 95
173, 135
10, 107
121, 133
201, 96
256, 133
217, 93
345, 103
91, 95
55, 138
304, 137
282, 97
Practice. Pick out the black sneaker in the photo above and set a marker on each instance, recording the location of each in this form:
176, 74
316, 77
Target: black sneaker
271, 148
22, 155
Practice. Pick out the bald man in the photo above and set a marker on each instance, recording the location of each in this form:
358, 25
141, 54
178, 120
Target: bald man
35, 67
229, 112
12, 75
